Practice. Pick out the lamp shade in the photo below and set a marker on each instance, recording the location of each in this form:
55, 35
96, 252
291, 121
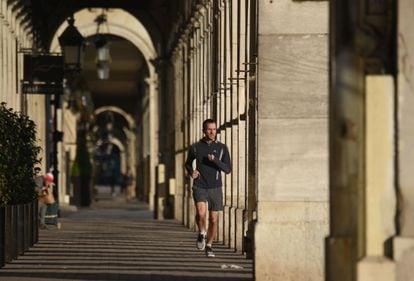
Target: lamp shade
103, 53
71, 43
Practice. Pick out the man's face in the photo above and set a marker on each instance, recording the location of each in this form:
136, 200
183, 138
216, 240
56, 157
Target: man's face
210, 131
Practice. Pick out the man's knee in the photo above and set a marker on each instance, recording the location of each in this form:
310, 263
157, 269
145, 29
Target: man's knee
213, 219
200, 216
201, 208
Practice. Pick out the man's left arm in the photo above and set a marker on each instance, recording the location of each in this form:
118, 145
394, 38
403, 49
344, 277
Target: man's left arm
224, 163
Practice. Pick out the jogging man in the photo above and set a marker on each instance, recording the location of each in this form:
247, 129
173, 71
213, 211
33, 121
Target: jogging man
212, 157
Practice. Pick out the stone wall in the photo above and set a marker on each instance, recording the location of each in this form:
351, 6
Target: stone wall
292, 217
15, 36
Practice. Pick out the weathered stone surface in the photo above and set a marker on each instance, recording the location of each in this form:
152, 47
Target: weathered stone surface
293, 212
376, 269
293, 160
292, 141
239, 230
293, 74
406, 113
286, 16
404, 257
380, 197
290, 237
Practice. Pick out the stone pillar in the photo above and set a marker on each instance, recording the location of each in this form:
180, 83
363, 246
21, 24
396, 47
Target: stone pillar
153, 137
380, 201
404, 242
292, 172
362, 166
240, 42
160, 194
193, 126
186, 128
131, 157
179, 136
2, 57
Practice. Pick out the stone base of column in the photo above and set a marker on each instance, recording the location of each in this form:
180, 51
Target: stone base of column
220, 231
404, 258
151, 202
239, 230
226, 225
178, 207
288, 241
191, 214
159, 208
376, 269
232, 218
185, 209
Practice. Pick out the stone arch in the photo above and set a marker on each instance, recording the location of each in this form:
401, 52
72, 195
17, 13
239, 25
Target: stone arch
123, 24
120, 23
122, 151
118, 110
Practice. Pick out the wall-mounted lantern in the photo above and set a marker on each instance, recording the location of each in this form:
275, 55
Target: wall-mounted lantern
72, 45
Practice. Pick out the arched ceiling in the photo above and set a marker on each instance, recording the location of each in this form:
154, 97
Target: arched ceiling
131, 49
157, 16
127, 68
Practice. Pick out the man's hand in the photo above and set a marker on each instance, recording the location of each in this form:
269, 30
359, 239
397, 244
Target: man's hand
195, 174
210, 157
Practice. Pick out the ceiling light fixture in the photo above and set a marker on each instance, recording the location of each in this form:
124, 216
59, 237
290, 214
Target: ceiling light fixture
103, 56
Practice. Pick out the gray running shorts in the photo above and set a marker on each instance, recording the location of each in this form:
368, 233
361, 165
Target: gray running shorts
213, 196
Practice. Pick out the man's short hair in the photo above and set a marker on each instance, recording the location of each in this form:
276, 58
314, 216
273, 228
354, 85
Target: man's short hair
208, 121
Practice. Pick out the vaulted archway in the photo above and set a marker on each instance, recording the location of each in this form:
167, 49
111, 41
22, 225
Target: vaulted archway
126, 30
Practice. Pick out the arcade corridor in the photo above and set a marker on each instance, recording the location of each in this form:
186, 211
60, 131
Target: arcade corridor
314, 100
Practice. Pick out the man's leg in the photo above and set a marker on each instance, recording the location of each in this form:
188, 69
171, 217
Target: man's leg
212, 226
201, 223
215, 205
201, 216
212, 230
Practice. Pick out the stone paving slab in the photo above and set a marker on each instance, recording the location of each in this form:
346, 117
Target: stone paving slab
123, 243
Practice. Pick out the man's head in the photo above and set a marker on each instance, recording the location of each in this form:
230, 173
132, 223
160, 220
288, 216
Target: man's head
210, 129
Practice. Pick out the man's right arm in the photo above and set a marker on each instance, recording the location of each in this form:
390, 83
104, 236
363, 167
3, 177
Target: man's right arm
189, 162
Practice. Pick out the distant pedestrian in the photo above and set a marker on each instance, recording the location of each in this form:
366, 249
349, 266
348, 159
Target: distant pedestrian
45, 196
212, 157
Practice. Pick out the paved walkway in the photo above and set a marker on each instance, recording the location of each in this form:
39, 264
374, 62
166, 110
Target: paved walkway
114, 240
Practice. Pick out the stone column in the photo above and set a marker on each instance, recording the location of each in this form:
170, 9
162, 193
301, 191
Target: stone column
379, 177
404, 242
361, 163
6, 57
153, 136
240, 42
292, 172
9, 41
2, 57
179, 135
131, 158
186, 126
191, 112
231, 114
